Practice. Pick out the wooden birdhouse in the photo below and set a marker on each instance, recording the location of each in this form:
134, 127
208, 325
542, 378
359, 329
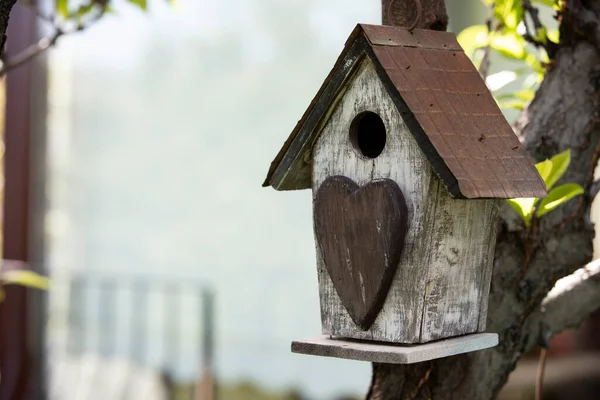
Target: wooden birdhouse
407, 154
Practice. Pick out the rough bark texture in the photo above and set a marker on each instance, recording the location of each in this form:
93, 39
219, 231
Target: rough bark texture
425, 14
564, 114
5, 7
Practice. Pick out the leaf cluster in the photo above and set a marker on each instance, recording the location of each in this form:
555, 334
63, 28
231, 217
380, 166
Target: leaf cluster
551, 171
513, 35
70, 11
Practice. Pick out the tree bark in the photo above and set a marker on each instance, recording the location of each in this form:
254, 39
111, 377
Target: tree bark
5, 7
564, 114
424, 14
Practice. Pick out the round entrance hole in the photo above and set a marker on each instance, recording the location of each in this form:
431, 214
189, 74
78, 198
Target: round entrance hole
367, 134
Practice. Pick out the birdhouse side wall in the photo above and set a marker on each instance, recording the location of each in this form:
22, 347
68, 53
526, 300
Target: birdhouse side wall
400, 319
461, 253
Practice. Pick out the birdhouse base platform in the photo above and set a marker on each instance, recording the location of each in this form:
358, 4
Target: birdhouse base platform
390, 353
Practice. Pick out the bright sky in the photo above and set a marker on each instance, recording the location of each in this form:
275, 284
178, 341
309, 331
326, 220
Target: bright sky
124, 32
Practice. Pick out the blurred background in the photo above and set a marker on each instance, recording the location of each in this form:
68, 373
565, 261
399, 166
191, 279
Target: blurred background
139, 149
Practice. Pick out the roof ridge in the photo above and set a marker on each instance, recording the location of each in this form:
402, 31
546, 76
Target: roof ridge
444, 101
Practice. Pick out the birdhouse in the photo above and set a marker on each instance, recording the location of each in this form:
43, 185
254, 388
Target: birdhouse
407, 155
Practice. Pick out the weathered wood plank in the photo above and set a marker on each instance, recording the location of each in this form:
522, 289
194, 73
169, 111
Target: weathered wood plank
393, 354
402, 161
493, 207
459, 264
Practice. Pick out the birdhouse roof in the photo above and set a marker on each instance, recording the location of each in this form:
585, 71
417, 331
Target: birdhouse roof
445, 104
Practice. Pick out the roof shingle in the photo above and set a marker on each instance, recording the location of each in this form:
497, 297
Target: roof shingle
454, 109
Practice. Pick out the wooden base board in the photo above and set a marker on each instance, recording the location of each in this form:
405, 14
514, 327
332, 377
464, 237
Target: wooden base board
393, 353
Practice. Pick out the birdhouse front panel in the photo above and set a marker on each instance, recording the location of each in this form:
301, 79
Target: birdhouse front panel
438, 282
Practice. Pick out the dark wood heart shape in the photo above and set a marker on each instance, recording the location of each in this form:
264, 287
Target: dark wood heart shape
360, 231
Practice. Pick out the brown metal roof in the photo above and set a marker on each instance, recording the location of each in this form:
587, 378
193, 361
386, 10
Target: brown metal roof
445, 104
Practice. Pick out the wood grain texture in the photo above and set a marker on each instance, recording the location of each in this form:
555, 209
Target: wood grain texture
401, 160
360, 232
393, 354
460, 253
436, 290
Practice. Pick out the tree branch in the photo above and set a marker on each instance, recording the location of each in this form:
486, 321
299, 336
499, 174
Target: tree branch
30, 52
484, 66
534, 13
537, 24
532, 35
572, 299
47, 42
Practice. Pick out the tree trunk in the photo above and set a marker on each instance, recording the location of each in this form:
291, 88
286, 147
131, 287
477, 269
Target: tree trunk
5, 7
564, 114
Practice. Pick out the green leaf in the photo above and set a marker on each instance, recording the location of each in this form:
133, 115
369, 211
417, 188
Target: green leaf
541, 35
558, 196
473, 38
544, 58
509, 44
25, 278
515, 104
84, 9
513, 16
532, 80
534, 63
508, 12
525, 94
142, 4
500, 79
549, 3
554, 35
560, 163
544, 168
62, 8
523, 207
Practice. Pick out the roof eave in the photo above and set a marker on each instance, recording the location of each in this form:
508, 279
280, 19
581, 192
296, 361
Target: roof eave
286, 171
